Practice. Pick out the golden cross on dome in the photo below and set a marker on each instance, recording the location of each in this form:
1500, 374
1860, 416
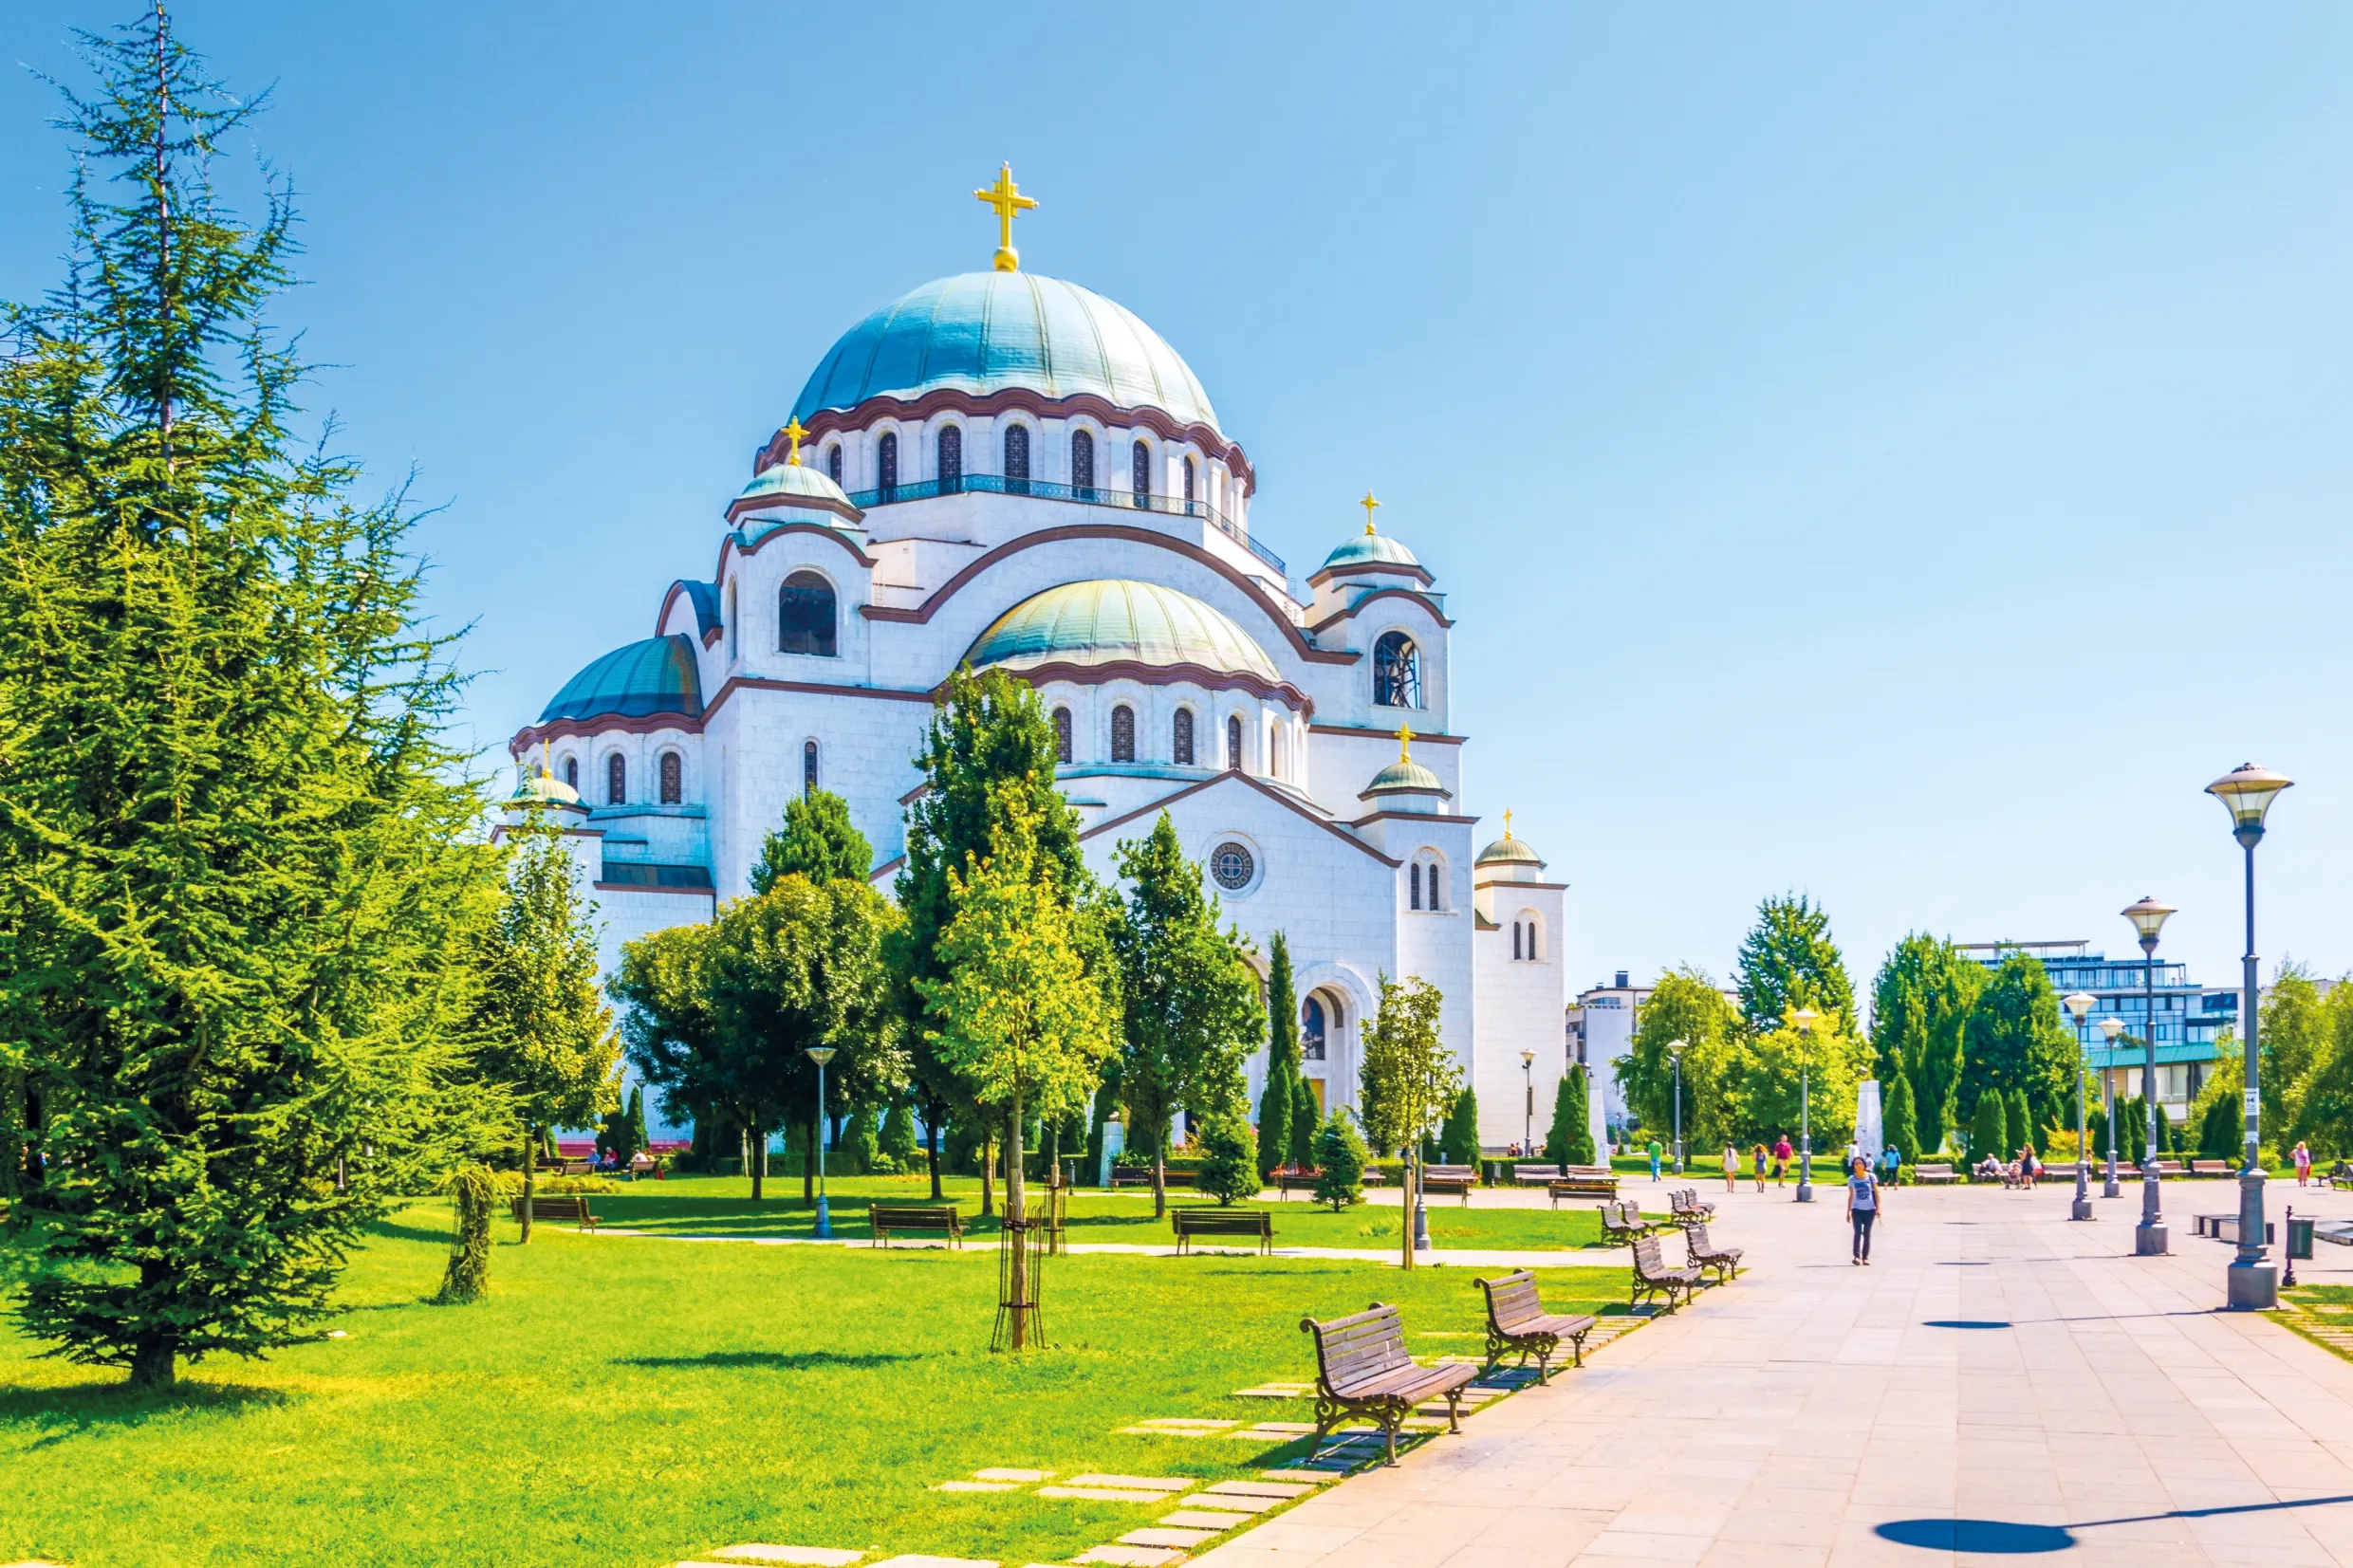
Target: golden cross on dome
1405, 743
1368, 504
1006, 198
793, 432
1507, 822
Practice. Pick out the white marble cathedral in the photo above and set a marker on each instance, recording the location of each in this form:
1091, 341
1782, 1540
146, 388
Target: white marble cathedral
1007, 470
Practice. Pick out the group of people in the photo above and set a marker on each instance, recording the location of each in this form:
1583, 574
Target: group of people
2022, 1170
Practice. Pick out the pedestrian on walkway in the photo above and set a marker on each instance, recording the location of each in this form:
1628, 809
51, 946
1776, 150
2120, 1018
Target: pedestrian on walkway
1654, 1158
1731, 1168
2026, 1166
1863, 1207
1757, 1166
1781, 1161
2303, 1163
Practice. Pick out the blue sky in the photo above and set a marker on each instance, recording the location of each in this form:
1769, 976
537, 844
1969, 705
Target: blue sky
1897, 453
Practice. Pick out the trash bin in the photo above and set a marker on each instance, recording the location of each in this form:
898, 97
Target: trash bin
2299, 1238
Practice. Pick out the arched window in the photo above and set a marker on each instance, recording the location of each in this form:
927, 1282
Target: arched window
1062, 734
1413, 887
1188, 483
1436, 902
1397, 672
1124, 734
1180, 743
833, 462
673, 779
1280, 766
1140, 473
1017, 459
951, 459
572, 771
1515, 939
1311, 1030
1233, 742
1083, 464
729, 618
886, 465
616, 780
804, 616
808, 764
1529, 922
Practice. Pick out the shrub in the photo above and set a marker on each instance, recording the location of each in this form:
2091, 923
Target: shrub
1340, 1163
899, 1142
1458, 1139
1988, 1128
474, 1191
1229, 1159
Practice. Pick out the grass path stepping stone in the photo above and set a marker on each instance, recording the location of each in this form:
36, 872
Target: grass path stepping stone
1138, 1482
1275, 1431
1301, 1471
1102, 1494
1129, 1557
1179, 1539
977, 1486
1274, 1391
1202, 1518
814, 1557
917, 1559
999, 1472
1232, 1501
1257, 1488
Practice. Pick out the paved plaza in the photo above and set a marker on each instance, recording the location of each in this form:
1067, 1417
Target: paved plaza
1997, 1366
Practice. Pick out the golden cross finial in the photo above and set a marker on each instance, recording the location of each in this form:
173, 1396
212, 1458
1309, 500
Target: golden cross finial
1405, 743
1007, 198
793, 432
543, 758
1507, 822
1368, 504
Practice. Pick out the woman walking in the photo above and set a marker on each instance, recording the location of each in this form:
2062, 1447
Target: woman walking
1757, 1166
1863, 1207
1732, 1169
1781, 1161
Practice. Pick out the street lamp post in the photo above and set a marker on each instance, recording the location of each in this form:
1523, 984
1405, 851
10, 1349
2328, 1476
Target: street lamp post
1804, 1019
2148, 917
821, 1055
2248, 791
1528, 1127
2080, 1004
2111, 1027
1675, 1054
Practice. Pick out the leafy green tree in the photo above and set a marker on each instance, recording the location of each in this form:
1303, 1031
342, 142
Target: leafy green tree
1275, 1100
988, 761
1787, 961
1229, 1158
1016, 1018
1192, 1011
1788, 1076
1571, 1140
819, 842
617, 1135
1685, 1005
1409, 1079
237, 881
1458, 1139
539, 1024
1897, 1122
2323, 1099
1919, 1012
2017, 1039
1340, 1165
1307, 1119
1989, 1130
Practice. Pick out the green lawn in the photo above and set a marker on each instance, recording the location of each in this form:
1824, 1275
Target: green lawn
625, 1403
722, 1205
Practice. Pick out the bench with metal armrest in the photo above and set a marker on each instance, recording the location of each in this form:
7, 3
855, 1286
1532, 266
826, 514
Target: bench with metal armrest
1362, 1370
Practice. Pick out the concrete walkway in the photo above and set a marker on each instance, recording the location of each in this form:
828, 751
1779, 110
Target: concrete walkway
1996, 1364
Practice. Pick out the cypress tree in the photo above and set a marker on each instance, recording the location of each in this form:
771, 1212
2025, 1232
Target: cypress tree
1570, 1139
2015, 1119
1988, 1130
1306, 1116
1459, 1138
1897, 1118
1275, 1100
235, 879
1340, 1163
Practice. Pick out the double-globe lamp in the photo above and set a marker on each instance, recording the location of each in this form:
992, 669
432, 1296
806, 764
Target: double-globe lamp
2110, 1027
2081, 1004
2148, 917
2247, 792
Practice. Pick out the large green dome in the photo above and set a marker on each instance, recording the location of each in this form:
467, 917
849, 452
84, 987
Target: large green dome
658, 676
984, 332
1117, 620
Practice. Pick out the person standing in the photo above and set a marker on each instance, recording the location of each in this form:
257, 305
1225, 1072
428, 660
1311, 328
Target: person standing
1655, 1153
1862, 1208
2303, 1163
1756, 1166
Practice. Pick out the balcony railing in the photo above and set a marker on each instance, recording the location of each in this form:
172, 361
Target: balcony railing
1086, 495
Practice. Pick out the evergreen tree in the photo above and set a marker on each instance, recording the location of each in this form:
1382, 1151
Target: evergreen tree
235, 878
1919, 1012
474, 1193
539, 1024
1307, 1119
1229, 1158
1897, 1119
2020, 1130
1787, 961
897, 1139
1458, 1139
1571, 1140
2221, 1130
819, 842
987, 760
2017, 1039
1340, 1165
639, 1136
1192, 1009
862, 1142
1275, 1100
1989, 1130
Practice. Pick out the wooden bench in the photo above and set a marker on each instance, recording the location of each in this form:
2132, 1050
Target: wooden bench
571, 1207
1582, 1182
1623, 1222
1193, 1221
2211, 1168
1706, 1254
1652, 1277
1684, 1207
1537, 1175
1516, 1321
1450, 1178
2163, 1168
2341, 1178
1288, 1182
1938, 1174
1130, 1176
1362, 1370
883, 1218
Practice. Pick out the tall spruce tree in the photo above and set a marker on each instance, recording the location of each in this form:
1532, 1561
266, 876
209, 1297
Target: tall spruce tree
819, 842
1786, 960
1571, 1140
1899, 1125
2017, 1039
1275, 1100
235, 882
1307, 1121
1920, 1009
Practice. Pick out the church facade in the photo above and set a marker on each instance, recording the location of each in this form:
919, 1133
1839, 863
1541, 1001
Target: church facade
1010, 470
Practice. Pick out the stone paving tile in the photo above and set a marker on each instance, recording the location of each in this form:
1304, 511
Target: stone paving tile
814, 1557
1102, 1494
1161, 1537
1259, 1488
1136, 1482
1130, 1556
1203, 1519
917, 1559
976, 1486
1236, 1501
1006, 1472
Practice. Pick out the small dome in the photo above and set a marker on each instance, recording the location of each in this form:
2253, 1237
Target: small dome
1370, 549
792, 484
1404, 777
658, 676
986, 332
541, 788
1508, 851
1117, 620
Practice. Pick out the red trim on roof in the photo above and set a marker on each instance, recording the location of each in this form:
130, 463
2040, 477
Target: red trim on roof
1423, 600
1372, 568
1280, 796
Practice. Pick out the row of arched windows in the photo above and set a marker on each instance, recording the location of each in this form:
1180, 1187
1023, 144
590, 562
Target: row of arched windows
1182, 750
670, 774
1421, 874
1524, 945
948, 452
